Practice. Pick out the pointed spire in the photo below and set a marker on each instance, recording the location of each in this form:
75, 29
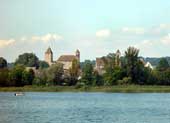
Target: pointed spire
49, 50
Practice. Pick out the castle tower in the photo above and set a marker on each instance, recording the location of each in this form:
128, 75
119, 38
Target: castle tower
118, 55
49, 56
78, 54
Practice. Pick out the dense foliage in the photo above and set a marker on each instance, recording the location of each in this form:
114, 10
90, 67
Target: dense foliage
3, 63
28, 60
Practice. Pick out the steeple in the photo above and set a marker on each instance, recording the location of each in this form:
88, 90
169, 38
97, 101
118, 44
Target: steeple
49, 50
49, 56
78, 54
118, 60
118, 54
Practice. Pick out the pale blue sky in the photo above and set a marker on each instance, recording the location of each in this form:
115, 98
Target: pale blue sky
96, 27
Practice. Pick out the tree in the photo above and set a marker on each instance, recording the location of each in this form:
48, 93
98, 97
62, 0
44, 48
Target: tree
74, 72
97, 79
40, 77
4, 77
28, 60
27, 77
87, 76
3, 63
109, 61
163, 64
43, 64
55, 73
131, 56
113, 75
16, 75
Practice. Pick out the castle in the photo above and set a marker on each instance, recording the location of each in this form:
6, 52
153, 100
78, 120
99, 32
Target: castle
66, 60
100, 63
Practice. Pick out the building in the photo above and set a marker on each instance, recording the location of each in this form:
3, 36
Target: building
117, 59
100, 62
99, 66
149, 65
66, 60
49, 56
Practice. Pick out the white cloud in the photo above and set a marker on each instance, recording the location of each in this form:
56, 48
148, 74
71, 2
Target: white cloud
48, 37
136, 30
166, 40
145, 44
104, 33
4, 43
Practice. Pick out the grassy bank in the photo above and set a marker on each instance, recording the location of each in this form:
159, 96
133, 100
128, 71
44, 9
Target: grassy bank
122, 89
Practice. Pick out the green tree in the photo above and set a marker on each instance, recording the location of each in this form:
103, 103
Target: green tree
55, 73
40, 77
16, 75
27, 77
43, 64
87, 76
113, 75
97, 79
109, 61
74, 72
163, 64
131, 57
3, 63
28, 60
4, 77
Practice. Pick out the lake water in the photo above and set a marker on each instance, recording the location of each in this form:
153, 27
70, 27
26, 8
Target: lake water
85, 108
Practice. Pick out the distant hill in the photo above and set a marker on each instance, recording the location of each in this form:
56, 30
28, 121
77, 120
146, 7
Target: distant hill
154, 61
10, 65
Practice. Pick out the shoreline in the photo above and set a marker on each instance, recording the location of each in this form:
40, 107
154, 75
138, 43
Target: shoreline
109, 89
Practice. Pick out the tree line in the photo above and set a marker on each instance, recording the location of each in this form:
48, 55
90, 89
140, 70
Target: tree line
128, 69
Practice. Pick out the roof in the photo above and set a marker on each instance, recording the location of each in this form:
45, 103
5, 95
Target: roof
49, 50
77, 51
99, 61
67, 58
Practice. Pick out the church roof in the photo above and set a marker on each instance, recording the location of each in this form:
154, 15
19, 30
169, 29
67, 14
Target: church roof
67, 58
49, 50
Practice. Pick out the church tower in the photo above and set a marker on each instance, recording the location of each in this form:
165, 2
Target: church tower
78, 55
117, 60
49, 56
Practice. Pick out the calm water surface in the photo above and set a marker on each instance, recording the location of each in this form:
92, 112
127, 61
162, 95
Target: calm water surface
84, 108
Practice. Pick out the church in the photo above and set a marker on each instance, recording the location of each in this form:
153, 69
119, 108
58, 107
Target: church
66, 60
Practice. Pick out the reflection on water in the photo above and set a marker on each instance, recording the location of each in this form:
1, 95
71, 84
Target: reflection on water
84, 108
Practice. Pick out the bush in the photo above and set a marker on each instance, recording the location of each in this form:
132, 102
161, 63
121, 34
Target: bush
79, 85
125, 81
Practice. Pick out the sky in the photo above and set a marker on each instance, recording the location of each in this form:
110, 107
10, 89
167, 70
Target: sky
95, 27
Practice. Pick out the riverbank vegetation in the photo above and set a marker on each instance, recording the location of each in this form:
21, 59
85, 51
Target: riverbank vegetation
121, 74
108, 89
